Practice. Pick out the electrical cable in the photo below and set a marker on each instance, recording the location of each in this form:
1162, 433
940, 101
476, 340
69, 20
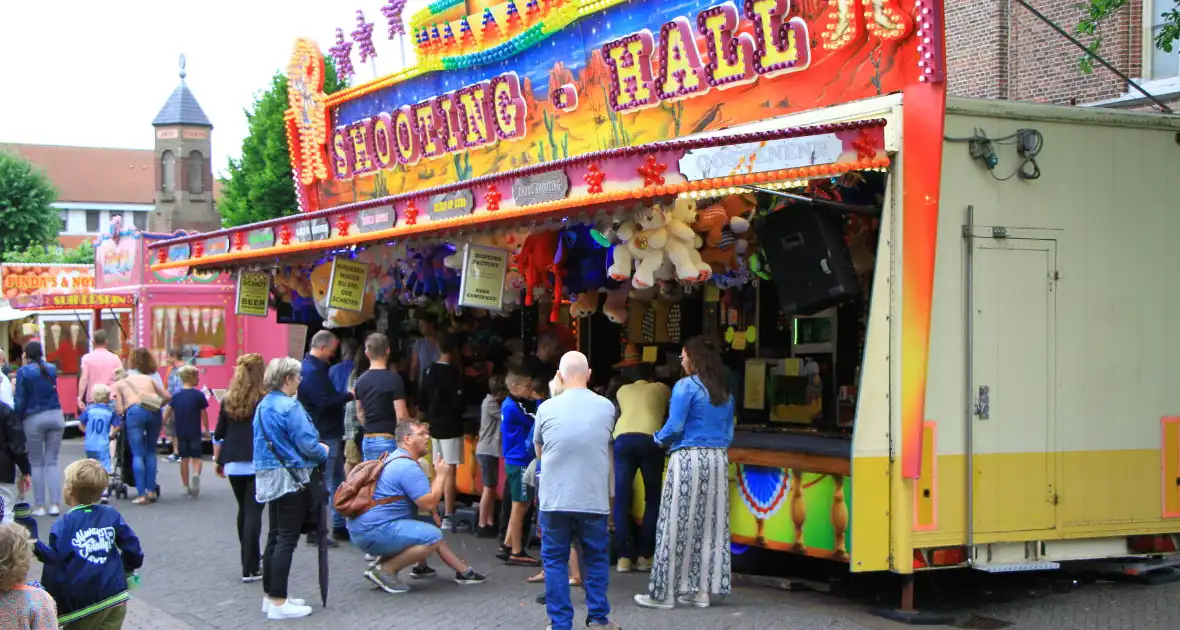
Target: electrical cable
1028, 142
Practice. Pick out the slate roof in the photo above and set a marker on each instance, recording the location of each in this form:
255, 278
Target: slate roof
182, 108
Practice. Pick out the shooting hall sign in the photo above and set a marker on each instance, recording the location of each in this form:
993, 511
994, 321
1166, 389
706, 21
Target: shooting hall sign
541, 188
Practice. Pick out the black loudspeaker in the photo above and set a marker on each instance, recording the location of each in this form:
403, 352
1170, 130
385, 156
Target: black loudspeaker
809, 259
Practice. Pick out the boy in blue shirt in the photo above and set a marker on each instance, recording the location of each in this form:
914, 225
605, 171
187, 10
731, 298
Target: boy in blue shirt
516, 425
190, 412
99, 423
91, 553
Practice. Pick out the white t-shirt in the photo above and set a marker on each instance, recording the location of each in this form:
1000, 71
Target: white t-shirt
574, 432
6, 394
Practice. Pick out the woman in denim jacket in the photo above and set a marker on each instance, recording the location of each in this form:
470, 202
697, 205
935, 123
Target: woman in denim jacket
39, 407
698, 432
287, 449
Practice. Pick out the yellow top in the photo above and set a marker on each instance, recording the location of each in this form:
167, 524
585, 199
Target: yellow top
643, 406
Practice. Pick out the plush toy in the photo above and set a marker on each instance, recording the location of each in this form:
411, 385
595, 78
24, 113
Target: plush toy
684, 246
585, 305
641, 246
723, 226
535, 262
615, 307
333, 317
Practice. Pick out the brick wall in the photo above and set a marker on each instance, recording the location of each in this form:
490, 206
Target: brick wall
1022, 58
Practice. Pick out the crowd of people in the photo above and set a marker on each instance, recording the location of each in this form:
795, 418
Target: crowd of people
292, 436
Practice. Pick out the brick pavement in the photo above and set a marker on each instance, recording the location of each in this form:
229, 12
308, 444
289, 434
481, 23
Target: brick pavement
191, 582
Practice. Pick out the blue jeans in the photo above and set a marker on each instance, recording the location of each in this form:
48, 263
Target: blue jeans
637, 452
373, 447
143, 429
557, 532
333, 477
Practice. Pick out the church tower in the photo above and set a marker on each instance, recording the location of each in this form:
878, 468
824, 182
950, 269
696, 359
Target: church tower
184, 171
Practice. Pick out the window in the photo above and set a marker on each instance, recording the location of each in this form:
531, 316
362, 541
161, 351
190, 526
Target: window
196, 173
93, 221
1163, 64
65, 220
65, 340
168, 172
140, 220
199, 332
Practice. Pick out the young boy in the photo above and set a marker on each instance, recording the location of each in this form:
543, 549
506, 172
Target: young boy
90, 554
487, 453
190, 411
98, 424
516, 423
441, 399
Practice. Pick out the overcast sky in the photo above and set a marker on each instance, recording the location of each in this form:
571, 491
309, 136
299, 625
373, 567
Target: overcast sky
96, 73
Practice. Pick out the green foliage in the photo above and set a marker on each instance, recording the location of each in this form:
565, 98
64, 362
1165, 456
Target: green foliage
53, 255
26, 215
260, 185
1098, 11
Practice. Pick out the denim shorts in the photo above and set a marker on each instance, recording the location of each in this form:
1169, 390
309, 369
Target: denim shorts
489, 470
396, 536
189, 447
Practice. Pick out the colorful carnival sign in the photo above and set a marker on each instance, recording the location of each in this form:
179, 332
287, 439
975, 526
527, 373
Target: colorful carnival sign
21, 280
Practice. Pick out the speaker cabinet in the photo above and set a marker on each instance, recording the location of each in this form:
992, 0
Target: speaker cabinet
809, 259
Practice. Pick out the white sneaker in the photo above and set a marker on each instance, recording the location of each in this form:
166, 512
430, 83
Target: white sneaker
446, 524
194, 485
39, 512
267, 605
647, 601
696, 600
54, 510
370, 557
288, 611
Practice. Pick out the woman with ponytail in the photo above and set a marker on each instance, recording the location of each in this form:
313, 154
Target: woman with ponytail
233, 451
39, 407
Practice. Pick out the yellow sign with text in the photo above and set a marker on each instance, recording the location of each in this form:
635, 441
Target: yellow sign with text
346, 286
484, 270
253, 294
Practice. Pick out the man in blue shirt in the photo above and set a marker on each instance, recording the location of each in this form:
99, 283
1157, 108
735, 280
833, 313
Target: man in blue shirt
340, 372
391, 530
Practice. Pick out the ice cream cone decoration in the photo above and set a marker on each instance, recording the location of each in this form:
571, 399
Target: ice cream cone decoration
216, 321
75, 334
55, 335
158, 328
170, 326
194, 315
184, 314
207, 320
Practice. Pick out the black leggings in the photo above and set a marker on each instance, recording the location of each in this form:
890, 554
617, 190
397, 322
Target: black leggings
286, 516
249, 523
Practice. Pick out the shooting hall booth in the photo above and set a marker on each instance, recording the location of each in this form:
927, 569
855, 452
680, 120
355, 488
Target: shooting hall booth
822, 127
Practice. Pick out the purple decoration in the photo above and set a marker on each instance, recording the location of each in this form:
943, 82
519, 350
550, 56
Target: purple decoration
363, 36
341, 53
392, 11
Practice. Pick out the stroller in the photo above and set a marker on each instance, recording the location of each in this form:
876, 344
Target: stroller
124, 475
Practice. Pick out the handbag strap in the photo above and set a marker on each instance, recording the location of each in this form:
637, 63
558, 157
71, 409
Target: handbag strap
274, 451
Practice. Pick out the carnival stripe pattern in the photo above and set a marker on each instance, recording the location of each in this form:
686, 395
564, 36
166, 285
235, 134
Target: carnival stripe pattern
692, 535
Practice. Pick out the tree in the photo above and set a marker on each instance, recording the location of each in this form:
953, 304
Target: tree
26, 215
260, 184
52, 255
1098, 11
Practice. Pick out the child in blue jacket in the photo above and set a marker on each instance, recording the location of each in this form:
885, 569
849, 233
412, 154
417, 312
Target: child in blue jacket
91, 553
99, 423
516, 424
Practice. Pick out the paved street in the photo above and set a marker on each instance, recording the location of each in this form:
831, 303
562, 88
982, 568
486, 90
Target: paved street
191, 582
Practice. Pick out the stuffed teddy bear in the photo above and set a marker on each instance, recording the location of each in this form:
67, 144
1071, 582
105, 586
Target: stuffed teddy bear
615, 307
723, 228
333, 317
684, 247
641, 246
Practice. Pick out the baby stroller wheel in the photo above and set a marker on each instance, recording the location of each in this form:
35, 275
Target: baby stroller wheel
157, 490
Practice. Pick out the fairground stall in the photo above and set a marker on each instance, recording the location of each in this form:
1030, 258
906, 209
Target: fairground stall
771, 175
187, 310
64, 332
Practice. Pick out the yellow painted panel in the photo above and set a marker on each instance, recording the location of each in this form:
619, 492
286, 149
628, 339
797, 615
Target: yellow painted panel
1171, 465
870, 514
926, 487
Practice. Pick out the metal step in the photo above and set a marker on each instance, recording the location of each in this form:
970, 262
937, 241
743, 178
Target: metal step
1016, 567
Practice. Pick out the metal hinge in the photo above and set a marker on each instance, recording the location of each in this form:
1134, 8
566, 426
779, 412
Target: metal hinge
999, 232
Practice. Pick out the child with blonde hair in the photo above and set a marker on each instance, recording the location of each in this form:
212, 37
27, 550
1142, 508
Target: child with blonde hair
90, 555
23, 606
189, 411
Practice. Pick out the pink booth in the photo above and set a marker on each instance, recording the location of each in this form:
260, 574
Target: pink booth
193, 312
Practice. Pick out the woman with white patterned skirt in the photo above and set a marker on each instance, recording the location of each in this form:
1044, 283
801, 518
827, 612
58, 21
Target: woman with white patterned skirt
692, 537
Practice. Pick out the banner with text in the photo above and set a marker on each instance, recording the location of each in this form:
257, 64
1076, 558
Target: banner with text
253, 295
484, 269
346, 287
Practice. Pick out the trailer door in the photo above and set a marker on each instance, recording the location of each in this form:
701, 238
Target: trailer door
1015, 386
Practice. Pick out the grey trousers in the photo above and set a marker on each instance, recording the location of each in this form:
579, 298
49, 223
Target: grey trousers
43, 430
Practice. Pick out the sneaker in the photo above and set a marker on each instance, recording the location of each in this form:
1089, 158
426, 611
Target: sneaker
523, 559
541, 598
188, 491
624, 565
470, 577
446, 524
39, 512
267, 605
288, 611
647, 601
54, 510
195, 486
501, 554
643, 564
391, 584
370, 557
254, 577
173, 458
422, 573
341, 534
695, 600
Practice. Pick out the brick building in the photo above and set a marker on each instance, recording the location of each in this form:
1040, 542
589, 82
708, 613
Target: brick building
998, 49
